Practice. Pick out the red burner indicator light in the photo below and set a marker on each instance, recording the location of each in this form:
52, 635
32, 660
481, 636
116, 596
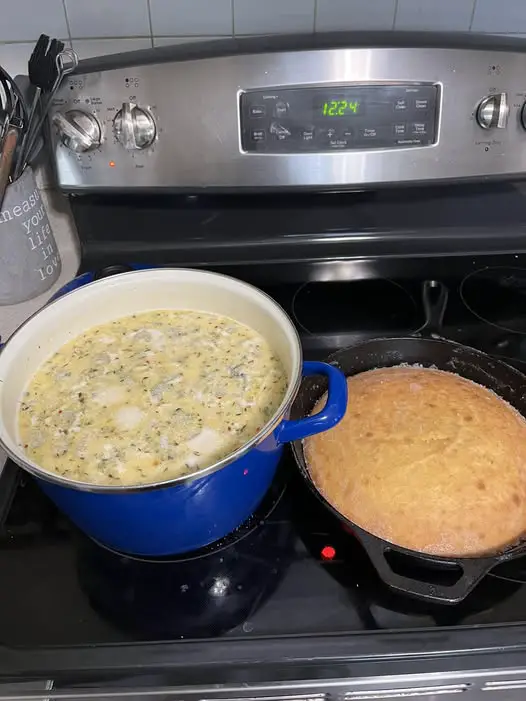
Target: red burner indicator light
328, 552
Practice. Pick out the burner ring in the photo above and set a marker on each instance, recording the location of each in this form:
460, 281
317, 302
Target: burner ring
204, 594
379, 306
492, 292
264, 511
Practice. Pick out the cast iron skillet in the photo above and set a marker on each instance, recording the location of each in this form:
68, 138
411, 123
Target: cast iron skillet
428, 349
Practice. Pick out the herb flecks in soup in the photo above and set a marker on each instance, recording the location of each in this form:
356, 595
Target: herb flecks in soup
150, 397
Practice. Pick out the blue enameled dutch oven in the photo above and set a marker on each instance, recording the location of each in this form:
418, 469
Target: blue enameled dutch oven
189, 512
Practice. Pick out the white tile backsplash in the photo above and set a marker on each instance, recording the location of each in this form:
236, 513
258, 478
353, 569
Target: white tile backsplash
14, 57
26, 20
100, 27
273, 16
443, 16
499, 16
336, 15
107, 18
191, 17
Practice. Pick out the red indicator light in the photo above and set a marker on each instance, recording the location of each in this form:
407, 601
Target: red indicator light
111, 164
328, 552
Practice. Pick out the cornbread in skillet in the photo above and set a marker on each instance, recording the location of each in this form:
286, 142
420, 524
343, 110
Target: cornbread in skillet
427, 460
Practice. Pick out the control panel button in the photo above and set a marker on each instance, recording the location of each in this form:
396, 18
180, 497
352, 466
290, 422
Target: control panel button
328, 134
421, 103
348, 133
307, 134
492, 111
400, 129
400, 104
419, 129
369, 133
280, 132
281, 109
257, 111
258, 135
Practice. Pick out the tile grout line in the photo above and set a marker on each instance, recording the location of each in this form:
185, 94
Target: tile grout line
150, 20
395, 15
67, 20
472, 15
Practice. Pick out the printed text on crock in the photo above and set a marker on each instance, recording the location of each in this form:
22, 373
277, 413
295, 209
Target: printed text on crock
37, 229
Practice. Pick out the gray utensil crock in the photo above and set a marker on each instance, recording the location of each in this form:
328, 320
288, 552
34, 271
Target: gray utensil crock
29, 258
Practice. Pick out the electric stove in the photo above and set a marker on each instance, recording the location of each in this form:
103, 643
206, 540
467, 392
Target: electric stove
290, 572
232, 157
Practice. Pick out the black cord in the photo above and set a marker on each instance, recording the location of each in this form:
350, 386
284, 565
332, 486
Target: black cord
10, 87
7, 97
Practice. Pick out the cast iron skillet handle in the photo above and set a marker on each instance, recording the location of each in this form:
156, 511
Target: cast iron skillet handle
473, 570
434, 297
331, 414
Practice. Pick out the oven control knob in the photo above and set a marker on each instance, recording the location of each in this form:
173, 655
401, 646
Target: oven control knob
78, 130
493, 111
134, 127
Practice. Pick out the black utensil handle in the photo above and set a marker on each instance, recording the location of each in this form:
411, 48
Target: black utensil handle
434, 298
473, 570
111, 270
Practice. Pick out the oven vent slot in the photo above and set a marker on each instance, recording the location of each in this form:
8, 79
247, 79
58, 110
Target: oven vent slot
505, 685
409, 692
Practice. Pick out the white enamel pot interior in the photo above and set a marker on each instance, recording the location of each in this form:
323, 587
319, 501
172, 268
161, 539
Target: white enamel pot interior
131, 293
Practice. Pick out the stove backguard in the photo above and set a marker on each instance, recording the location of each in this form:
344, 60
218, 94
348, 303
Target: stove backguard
341, 110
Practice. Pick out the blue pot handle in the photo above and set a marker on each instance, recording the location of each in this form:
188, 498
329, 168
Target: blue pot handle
331, 414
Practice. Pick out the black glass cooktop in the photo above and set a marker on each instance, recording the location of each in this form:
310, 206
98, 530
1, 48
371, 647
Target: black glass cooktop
290, 570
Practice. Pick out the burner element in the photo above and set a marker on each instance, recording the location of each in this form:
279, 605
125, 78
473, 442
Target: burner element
371, 306
497, 296
201, 594
378, 606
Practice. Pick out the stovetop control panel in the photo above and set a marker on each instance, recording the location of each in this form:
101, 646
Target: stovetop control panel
319, 118
307, 120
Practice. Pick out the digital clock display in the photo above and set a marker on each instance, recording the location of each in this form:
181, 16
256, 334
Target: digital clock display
340, 108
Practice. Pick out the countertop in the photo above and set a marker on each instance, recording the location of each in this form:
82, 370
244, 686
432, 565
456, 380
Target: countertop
68, 245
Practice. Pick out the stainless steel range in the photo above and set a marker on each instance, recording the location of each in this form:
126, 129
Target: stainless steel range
339, 174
